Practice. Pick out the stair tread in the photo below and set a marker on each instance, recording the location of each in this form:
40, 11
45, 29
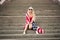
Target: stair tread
22, 27
33, 39
51, 34
29, 31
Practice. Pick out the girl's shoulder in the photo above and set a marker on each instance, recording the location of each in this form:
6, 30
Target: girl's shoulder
27, 14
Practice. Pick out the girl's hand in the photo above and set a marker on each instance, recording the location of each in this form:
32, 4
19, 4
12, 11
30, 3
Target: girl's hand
31, 22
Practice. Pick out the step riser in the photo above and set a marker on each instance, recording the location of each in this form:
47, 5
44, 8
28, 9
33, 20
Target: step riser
38, 24
29, 36
21, 18
22, 27
21, 13
29, 1
28, 32
38, 7
32, 39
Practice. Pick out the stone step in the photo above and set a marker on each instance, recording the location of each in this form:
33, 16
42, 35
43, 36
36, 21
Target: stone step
31, 1
33, 39
21, 19
34, 4
40, 24
23, 12
28, 32
22, 27
41, 7
24, 9
24, 6
41, 11
29, 4
22, 24
12, 36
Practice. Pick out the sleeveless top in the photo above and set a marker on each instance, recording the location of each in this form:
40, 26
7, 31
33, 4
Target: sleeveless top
28, 18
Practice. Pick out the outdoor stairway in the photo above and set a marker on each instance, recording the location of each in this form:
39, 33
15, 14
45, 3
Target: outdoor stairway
12, 20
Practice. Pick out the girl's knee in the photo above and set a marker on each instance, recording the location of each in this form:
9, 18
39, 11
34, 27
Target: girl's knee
30, 26
26, 26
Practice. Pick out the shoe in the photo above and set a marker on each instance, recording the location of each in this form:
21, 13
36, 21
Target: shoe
37, 32
24, 32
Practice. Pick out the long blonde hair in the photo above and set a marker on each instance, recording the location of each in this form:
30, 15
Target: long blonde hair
33, 13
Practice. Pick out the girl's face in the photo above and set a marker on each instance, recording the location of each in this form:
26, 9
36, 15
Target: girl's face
30, 10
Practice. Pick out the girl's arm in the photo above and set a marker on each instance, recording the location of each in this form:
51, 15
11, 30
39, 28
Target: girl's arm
33, 19
27, 19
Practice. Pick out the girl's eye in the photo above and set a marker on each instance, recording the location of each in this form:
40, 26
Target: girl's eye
30, 9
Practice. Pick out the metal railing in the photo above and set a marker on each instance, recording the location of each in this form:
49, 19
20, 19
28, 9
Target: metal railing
56, 1
2, 1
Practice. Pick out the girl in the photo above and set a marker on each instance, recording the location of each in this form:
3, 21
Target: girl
30, 18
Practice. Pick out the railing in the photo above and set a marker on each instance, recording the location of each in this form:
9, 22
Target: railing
55, 2
2, 1
59, 2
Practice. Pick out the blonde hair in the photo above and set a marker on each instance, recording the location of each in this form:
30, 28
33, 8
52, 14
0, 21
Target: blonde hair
33, 13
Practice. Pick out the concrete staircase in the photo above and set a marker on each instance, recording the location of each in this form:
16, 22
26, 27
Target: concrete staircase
12, 20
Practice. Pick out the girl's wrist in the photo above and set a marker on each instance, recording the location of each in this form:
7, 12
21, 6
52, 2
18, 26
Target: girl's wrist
31, 22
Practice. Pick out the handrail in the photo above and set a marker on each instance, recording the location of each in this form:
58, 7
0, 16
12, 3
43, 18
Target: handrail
59, 0
2, 1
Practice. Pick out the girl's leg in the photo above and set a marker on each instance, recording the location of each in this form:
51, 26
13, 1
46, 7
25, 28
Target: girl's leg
30, 26
37, 31
25, 29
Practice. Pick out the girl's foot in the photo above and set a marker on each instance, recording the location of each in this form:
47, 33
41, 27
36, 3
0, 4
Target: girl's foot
24, 32
37, 32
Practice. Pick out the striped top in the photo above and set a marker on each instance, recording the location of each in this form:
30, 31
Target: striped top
28, 19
